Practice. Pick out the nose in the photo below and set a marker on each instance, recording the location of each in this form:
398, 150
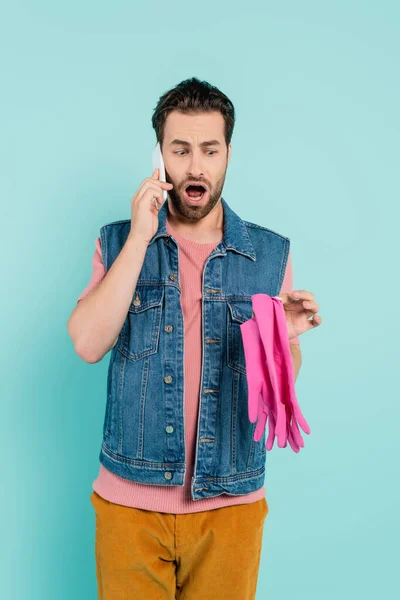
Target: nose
195, 166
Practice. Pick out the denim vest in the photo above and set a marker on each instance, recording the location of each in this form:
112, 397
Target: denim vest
144, 427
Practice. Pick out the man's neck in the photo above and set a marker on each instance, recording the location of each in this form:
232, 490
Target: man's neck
204, 231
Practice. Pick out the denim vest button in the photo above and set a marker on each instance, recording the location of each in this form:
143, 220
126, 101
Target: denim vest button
168, 379
172, 276
136, 301
168, 475
169, 429
168, 328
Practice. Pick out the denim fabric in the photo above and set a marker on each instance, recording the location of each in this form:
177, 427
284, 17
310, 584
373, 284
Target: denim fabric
144, 428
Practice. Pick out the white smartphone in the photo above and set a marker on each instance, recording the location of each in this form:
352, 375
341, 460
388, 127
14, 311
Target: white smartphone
158, 163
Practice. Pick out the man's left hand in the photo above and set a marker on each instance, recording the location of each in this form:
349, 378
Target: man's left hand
299, 306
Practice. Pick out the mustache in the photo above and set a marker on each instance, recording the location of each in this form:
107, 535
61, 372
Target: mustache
183, 185
201, 183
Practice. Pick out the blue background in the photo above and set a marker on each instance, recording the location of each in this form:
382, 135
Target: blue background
315, 156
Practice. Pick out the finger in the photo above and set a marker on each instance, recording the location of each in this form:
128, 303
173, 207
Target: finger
149, 192
288, 299
156, 177
301, 295
156, 199
165, 185
310, 305
155, 203
315, 321
308, 313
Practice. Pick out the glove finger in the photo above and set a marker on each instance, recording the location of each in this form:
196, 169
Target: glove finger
281, 425
285, 426
262, 419
271, 419
292, 443
300, 419
274, 411
271, 432
288, 366
254, 391
296, 433
270, 400
281, 428
297, 411
263, 311
252, 346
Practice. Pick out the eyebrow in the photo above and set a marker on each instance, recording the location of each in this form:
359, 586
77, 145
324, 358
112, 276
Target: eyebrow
202, 145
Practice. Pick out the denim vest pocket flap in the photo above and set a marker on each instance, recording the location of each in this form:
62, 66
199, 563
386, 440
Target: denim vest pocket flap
141, 330
238, 312
146, 297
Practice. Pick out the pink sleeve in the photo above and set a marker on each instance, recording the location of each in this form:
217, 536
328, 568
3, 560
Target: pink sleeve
98, 271
287, 287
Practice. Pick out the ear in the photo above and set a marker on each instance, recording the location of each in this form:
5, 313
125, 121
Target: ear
229, 152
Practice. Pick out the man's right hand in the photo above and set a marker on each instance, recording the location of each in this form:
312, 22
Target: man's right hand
144, 212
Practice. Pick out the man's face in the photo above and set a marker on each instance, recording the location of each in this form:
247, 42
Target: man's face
187, 160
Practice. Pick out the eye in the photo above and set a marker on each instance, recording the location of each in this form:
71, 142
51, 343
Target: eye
179, 152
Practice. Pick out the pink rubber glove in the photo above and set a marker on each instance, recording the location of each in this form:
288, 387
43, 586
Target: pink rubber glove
271, 320
261, 406
287, 373
264, 313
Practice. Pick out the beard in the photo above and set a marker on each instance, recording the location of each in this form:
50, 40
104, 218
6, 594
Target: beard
195, 213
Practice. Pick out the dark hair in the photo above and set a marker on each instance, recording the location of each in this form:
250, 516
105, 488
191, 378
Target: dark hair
193, 96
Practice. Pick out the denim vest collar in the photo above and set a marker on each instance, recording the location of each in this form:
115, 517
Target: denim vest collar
235, 236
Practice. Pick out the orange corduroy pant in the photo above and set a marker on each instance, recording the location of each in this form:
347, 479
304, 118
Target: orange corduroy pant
208, 555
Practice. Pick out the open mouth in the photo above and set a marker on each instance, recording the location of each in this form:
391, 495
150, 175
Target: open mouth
195, 192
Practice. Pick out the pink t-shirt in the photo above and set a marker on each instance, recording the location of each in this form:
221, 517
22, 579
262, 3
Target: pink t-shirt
177, 499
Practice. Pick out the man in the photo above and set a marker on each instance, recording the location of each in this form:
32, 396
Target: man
179, 500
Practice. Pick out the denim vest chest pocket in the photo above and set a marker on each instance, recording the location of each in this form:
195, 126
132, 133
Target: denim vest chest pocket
238, 312
141, 329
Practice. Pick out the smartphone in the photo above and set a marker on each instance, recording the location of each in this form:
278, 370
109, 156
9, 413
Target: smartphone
158, 163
